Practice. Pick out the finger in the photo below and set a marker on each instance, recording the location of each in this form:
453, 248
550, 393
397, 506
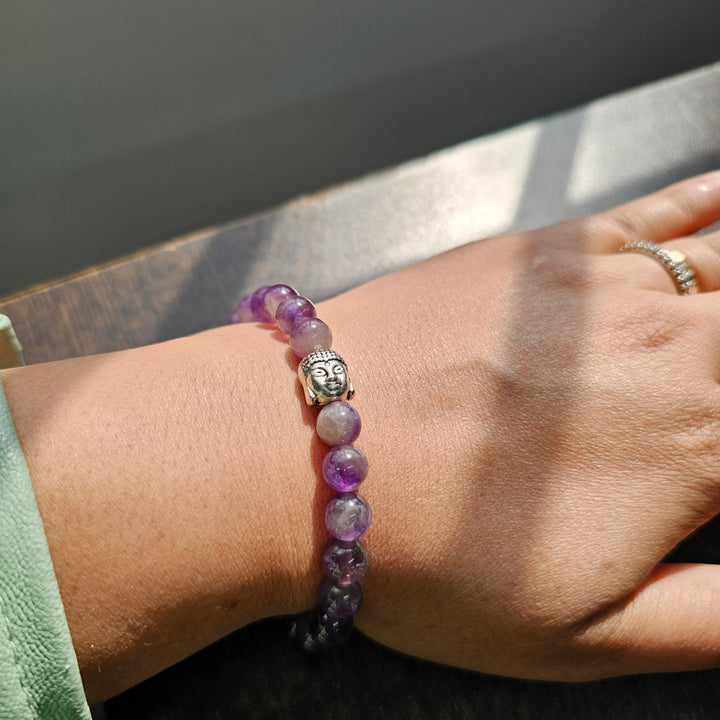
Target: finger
671, 624
679, 209
701, 253
703, 256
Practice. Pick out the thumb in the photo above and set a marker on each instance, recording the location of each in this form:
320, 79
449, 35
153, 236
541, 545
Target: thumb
670, 623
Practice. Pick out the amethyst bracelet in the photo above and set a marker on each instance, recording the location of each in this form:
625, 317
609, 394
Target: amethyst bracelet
326, 384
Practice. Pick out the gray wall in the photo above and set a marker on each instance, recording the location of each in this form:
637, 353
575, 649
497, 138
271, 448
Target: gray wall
125, 123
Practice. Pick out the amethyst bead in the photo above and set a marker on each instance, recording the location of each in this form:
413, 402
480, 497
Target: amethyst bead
317, 631
257, 304
345, 562
339, 602
344, 468
274, 296
243, 312
338, 424
292, 310
308, 335
347, 516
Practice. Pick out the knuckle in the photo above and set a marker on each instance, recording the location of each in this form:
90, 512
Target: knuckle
556, 268
654, 326
615, 227
553, 607
700, 436
683, 204
691, 455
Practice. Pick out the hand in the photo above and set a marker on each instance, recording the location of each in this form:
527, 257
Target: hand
542, 419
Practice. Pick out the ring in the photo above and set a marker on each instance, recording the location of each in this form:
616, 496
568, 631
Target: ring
672, 260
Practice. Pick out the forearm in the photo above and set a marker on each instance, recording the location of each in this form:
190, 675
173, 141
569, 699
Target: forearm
180, 484
178, 491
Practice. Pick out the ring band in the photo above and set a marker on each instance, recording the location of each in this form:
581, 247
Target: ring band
672, 260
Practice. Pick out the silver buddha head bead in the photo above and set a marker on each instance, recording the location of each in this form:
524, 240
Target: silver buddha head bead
324, 378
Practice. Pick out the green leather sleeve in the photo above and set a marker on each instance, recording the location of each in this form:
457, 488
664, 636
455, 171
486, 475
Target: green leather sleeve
39, 676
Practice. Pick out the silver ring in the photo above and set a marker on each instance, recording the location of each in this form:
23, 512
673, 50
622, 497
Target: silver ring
672, 260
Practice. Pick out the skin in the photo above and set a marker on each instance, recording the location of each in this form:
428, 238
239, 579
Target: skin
559, 435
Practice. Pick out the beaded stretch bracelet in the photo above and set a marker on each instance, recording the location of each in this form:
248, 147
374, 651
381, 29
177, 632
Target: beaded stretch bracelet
324, 377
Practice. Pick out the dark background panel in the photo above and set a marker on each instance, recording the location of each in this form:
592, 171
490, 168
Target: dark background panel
125, 124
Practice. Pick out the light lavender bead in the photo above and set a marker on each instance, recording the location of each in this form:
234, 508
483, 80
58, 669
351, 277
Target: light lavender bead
257, 304
337, 601
308, 335
347, 516
344, 468
243, 312
274, 296
292, 310
345, 562
338, 423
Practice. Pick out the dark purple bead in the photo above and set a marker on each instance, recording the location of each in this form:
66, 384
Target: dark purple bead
345, 562
338, 423
347, 516
339, 601
308, 335
344, 468
274, 296
292, 310
257, 304
317, 632
330, 632
243, 312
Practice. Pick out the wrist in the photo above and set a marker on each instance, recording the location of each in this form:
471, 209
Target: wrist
177, 505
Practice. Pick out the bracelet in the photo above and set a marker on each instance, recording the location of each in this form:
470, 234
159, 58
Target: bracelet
324, 378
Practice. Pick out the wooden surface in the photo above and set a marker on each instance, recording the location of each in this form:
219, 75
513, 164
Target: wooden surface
570, 164
535, 174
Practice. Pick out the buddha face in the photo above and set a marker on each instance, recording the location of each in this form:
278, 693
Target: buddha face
328, 378
324, 377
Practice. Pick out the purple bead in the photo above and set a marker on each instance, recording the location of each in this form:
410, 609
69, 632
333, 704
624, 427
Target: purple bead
308, 335
347, 516
345, 562
257, 304
243, 312
274, 296
338, 423
337, 601
292, 310
317, 631
344, 468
